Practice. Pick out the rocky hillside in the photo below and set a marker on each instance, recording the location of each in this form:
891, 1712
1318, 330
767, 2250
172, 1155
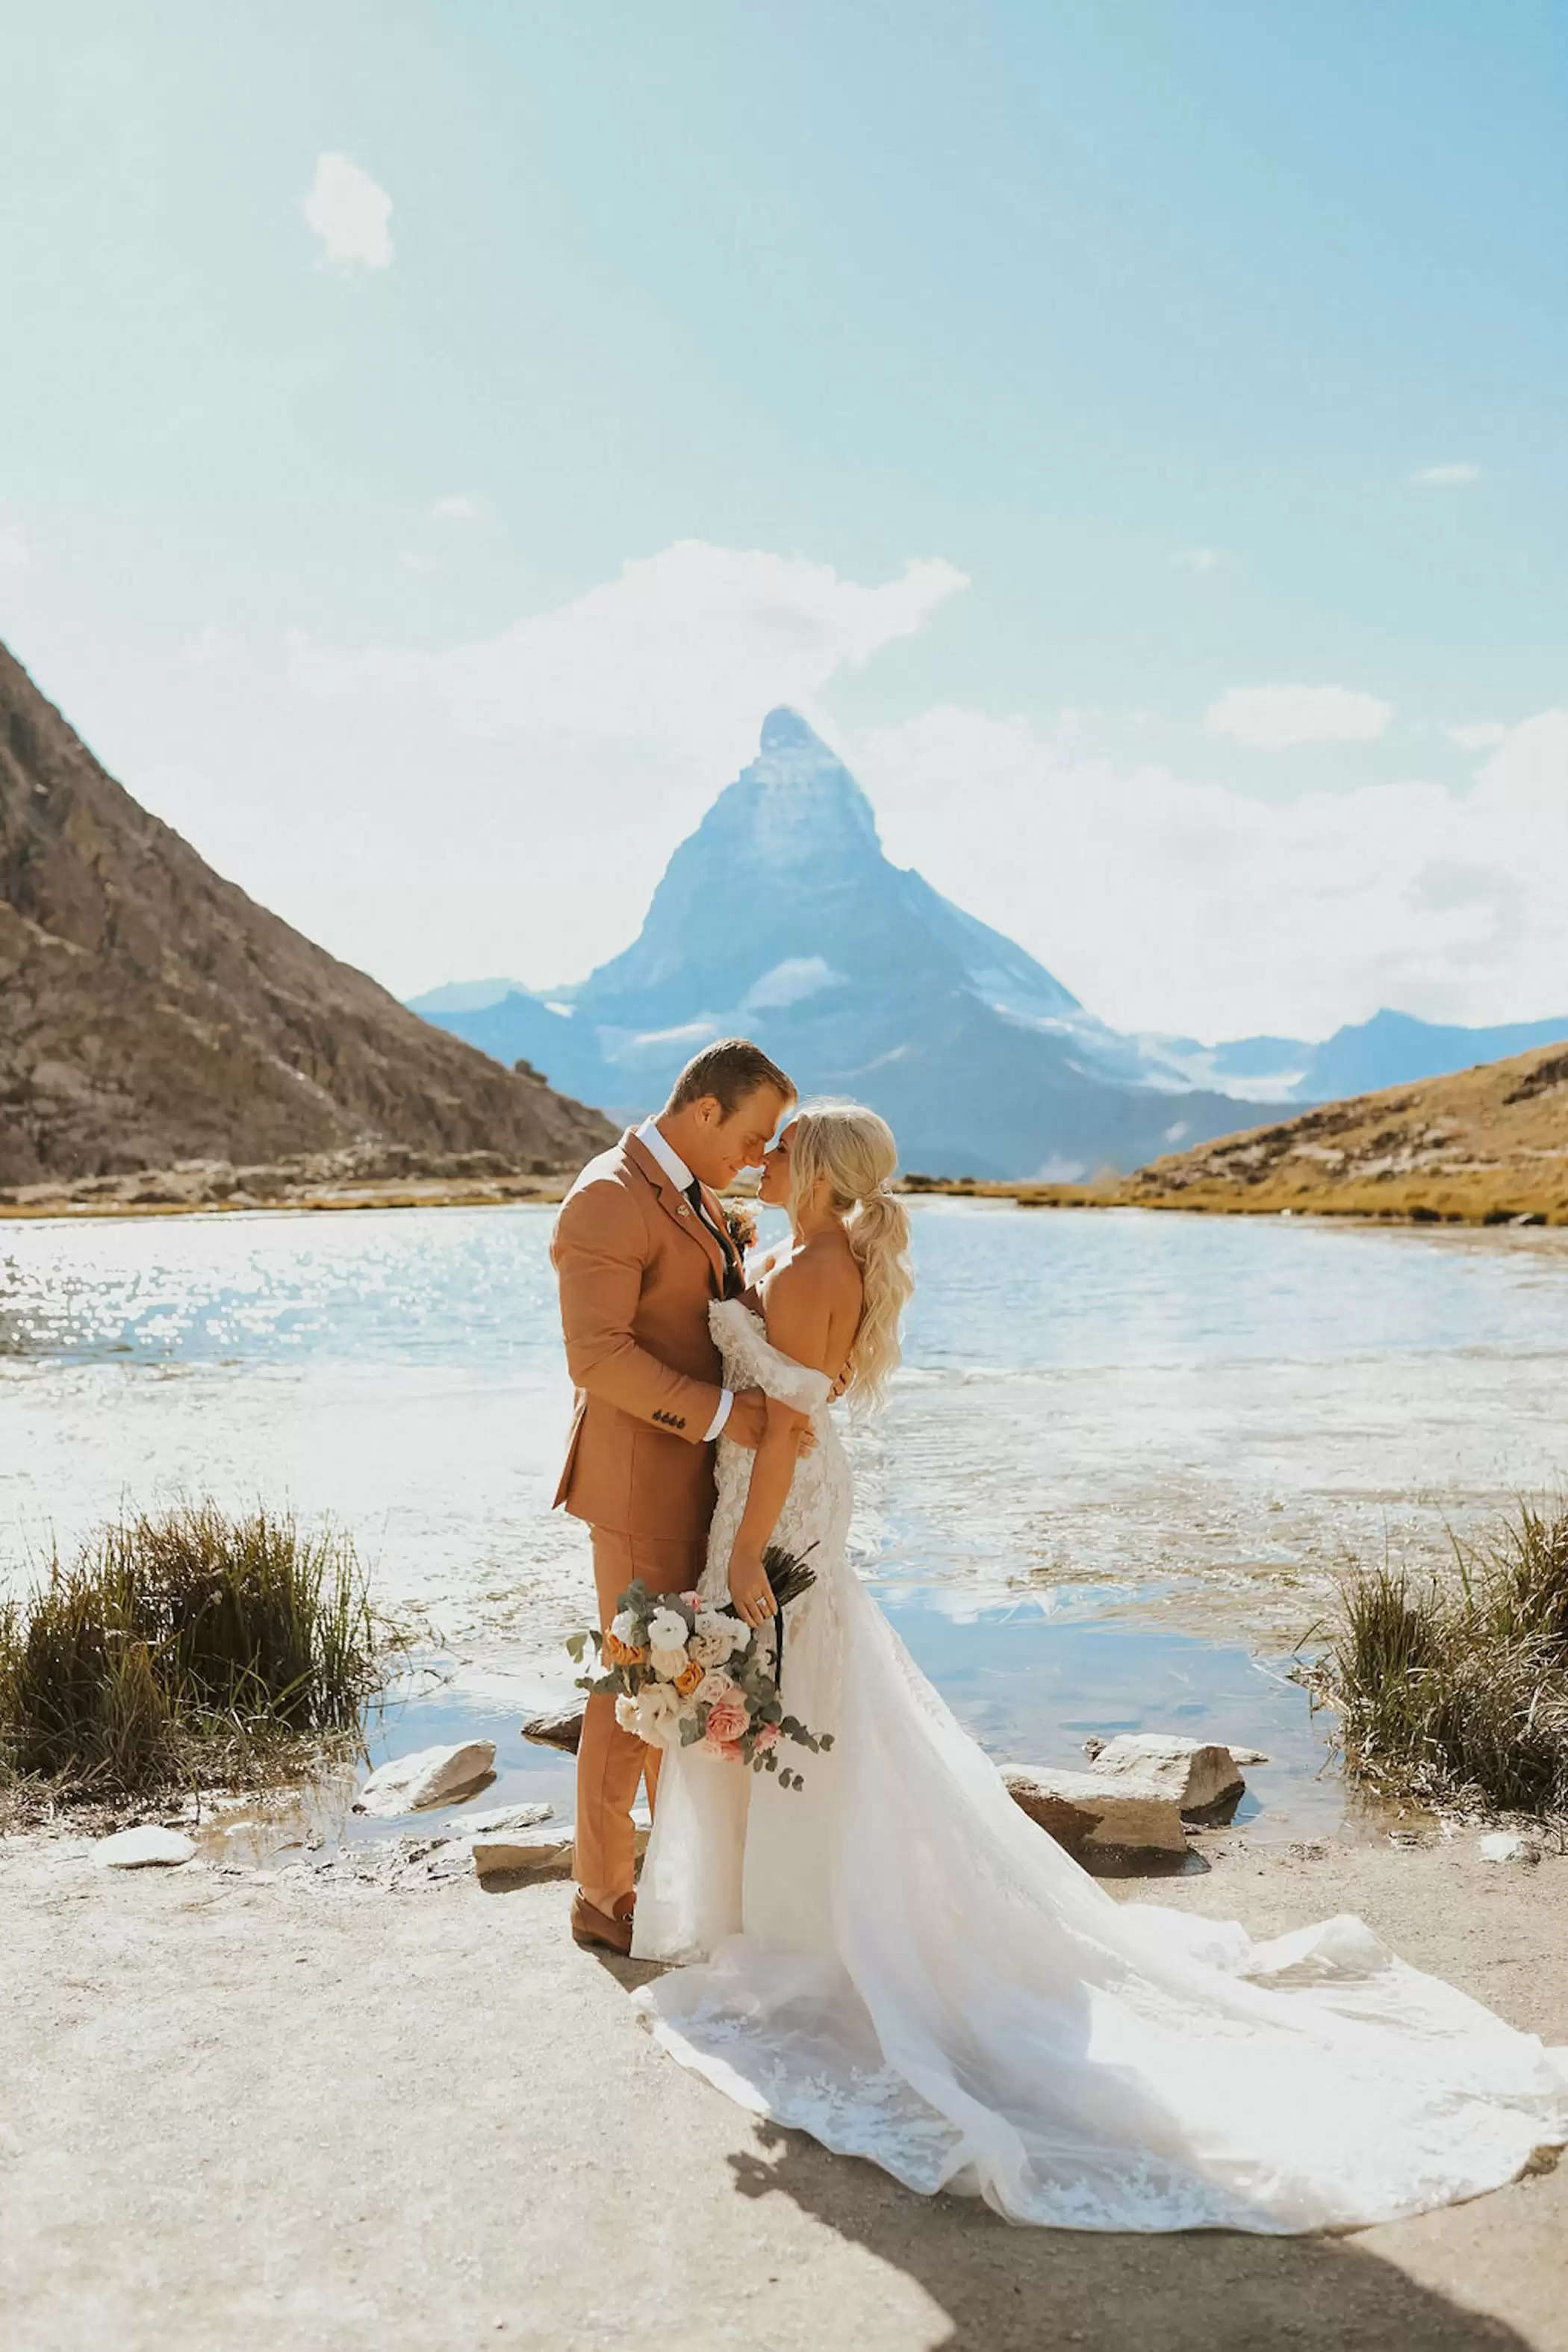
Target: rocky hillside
1486, 1145
150, 1013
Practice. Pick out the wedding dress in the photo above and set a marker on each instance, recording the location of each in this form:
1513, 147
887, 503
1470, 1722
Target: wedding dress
895, 1959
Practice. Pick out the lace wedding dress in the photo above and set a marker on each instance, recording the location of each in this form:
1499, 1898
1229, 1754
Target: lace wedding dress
897, 1960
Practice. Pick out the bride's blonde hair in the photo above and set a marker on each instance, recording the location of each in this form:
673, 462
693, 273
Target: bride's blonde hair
855, 1150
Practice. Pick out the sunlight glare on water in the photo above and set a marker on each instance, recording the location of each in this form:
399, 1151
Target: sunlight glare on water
1179, 1422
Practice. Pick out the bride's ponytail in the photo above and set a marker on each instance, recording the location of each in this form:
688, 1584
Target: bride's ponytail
855, 1150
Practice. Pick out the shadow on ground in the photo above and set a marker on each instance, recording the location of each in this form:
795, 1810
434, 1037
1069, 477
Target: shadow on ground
1000, 2288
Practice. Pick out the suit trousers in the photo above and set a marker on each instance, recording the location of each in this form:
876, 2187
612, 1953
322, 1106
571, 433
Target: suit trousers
610, 1762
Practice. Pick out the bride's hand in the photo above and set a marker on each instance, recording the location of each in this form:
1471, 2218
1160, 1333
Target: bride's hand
749, 1588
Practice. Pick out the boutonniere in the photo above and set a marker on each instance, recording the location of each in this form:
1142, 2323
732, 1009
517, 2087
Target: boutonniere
740, 1226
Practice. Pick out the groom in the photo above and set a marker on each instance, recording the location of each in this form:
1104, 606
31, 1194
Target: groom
640, 1249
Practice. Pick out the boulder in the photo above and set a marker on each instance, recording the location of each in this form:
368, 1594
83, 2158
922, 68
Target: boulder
536, 1854
563, 1729
506, 1816
431, 1776
1506, 1846
1097, 1817
1197, 1774
142, 1848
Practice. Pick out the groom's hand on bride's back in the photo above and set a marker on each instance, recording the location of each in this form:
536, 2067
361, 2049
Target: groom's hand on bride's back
749, 1420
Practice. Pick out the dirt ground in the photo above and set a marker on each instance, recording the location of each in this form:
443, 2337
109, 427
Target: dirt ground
299, 2110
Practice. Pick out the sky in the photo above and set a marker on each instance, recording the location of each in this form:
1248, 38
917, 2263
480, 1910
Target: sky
431, 436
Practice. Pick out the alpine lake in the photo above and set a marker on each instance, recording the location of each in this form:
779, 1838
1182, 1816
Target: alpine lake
1125, 1464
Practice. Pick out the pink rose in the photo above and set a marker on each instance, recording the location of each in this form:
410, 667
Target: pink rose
726, 1722
691, 1599
767, 1737
728, 1751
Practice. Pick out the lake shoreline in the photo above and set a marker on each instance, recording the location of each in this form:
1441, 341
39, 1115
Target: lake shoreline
469, 2111
70, 1207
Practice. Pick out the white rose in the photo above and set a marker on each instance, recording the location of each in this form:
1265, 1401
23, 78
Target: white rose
627, 1713
716, 1637
657, 1709
624, 1626
667, 1630
667, 1663
712, 1688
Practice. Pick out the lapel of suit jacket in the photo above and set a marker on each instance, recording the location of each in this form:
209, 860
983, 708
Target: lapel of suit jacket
676, 1205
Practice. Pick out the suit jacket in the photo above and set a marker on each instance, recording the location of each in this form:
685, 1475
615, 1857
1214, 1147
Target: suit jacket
637, 1268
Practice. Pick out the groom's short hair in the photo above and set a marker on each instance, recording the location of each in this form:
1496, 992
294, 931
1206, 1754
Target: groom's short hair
728, 1071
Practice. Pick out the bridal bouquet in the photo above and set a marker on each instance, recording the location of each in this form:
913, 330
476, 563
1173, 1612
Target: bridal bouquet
685, 1673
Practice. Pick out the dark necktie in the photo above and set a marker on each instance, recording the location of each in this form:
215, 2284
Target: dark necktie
734, 1282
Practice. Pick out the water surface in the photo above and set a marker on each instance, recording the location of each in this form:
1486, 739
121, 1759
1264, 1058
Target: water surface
1126, 1456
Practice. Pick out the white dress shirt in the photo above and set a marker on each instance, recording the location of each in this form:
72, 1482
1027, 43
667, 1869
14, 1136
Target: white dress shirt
651, 1135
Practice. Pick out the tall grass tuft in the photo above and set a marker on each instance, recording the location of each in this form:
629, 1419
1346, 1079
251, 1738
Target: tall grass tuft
185, 1644
1458, 1691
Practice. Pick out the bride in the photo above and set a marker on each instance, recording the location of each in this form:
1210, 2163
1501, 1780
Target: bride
897, 1960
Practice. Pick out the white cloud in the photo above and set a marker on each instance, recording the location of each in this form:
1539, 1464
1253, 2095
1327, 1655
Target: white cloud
420, 812
689, 645
456, 509
16, 556
1527, 775
1482, 736
509, 806
349, 213
1276, 717
1182, 906
1447, 477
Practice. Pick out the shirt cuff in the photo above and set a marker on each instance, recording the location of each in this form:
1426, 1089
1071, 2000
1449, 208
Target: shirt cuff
725, 1400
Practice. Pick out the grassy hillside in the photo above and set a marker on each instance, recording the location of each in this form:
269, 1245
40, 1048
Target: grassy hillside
1480, 1147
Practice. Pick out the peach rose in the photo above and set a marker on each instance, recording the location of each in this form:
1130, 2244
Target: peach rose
686, 1682
726, 1721
767, 1737
728, 1751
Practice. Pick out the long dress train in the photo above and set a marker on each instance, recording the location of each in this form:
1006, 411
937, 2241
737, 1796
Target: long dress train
897, 1960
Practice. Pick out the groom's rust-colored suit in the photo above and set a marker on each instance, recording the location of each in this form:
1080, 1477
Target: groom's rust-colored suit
637, 1268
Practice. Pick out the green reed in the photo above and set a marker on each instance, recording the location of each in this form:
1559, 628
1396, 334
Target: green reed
186, 1642
1457, 1690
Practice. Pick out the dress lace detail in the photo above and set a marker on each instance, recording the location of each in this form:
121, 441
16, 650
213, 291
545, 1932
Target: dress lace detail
897, 1961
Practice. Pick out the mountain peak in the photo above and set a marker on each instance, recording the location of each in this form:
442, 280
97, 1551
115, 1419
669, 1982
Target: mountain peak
785, 730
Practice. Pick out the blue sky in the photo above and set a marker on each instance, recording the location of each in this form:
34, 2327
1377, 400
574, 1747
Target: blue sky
1135, 433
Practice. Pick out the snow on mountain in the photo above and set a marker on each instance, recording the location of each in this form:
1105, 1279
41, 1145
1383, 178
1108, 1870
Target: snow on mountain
779, 917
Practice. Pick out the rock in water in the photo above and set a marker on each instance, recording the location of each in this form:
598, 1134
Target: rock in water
432, 1776
1098, 1818
1197, 1774
140, 1848
545, 1854
563, 1728
506, 1816
507, 1854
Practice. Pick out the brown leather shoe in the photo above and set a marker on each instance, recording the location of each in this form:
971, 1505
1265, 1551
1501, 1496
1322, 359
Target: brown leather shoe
613, 1929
